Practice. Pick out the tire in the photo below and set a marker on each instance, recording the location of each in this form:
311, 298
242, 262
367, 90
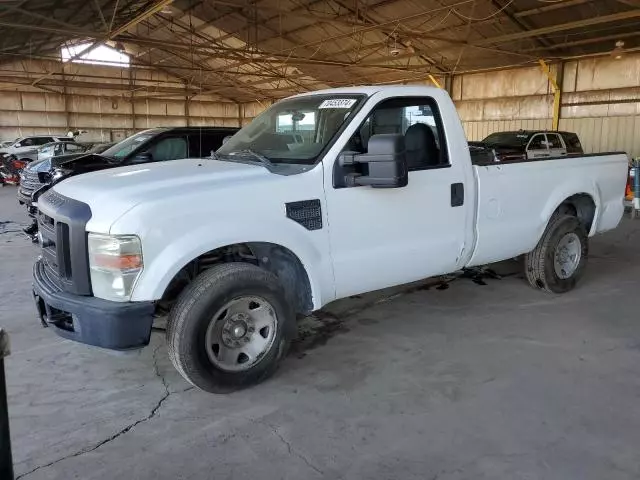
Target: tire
196, 314
540, 266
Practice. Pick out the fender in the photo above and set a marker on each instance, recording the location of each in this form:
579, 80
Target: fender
569, 188
168, 254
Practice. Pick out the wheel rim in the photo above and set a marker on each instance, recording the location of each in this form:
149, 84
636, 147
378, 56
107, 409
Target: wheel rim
240, 333
567, 256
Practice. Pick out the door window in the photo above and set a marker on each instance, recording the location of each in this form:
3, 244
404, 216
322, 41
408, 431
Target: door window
73, 148
538, 142
201, 144
418, 120
171, 148
573, 142
554, 141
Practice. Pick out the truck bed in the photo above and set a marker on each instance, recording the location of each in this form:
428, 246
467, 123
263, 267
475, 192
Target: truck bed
516, 199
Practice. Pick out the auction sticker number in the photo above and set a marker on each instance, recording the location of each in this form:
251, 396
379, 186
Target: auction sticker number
338, 103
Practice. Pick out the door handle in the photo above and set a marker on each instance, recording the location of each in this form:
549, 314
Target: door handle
457, 194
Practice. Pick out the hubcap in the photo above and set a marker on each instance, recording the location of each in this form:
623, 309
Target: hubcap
567, 256
240, 333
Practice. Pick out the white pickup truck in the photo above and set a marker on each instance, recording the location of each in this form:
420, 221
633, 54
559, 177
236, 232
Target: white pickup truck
379, 189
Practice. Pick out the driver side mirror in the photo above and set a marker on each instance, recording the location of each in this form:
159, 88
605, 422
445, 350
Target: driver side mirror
142, 157
384, 166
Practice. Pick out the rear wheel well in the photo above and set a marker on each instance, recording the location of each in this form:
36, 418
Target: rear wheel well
274, 258
581, 206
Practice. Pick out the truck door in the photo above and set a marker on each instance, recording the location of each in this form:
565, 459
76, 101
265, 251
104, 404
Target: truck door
556, 147
538, 147
384, 237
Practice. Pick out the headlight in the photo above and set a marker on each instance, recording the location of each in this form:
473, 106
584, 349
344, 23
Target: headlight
115, 262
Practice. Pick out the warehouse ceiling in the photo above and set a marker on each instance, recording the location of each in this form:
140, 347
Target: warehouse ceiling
264, 49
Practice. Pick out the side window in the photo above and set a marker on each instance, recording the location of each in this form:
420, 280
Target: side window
202, 144
43, 140
57, 149
28, 142
418, 120
573, 143
170, 148
538, 142
554, 141
74, 148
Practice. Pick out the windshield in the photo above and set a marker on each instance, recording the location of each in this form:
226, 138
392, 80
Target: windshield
507, 139
128, 145
293, 131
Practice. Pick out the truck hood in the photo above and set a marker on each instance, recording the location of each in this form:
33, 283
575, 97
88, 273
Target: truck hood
83, 162
110, 193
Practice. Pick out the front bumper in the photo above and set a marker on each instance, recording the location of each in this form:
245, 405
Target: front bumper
23, 199
91, 320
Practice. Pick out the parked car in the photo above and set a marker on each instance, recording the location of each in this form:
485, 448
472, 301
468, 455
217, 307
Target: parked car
235, 246
7, 143
29, 143
154, 145
531, 144
29, 181
49, 150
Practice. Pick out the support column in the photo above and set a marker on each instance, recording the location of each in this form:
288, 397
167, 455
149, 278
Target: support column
186, 109
435, 81
240, 115
67, 110
556, 82
448, 85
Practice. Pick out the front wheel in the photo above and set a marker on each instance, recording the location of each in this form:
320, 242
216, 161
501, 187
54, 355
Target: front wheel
230, 328
559, 259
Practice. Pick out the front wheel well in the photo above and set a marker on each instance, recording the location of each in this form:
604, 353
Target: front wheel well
274, 258
580, 205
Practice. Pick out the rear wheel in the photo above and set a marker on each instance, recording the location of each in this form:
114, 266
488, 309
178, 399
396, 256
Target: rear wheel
559, 259
230, 328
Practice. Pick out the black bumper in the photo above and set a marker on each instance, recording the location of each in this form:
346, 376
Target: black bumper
91, 320
22, 198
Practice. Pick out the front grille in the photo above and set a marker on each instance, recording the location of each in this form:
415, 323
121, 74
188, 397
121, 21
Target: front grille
54, 235
62, 223
29, 182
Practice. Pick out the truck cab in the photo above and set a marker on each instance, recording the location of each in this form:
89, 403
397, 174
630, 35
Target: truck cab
380, 191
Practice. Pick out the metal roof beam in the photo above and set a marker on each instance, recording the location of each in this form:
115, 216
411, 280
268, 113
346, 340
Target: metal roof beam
550, 8
616, 17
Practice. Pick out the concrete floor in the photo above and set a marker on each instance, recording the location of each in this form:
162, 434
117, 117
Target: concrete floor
492, 381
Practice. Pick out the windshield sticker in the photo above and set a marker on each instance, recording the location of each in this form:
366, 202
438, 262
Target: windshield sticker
338, 103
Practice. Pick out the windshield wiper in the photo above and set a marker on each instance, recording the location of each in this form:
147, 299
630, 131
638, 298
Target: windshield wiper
214, 155
264, 160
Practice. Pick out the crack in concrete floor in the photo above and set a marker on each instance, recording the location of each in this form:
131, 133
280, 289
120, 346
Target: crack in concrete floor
128, 428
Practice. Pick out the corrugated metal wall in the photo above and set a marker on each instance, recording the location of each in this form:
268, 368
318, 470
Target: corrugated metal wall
606, 134
505, 100
601, 102
106, 114
479, 130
